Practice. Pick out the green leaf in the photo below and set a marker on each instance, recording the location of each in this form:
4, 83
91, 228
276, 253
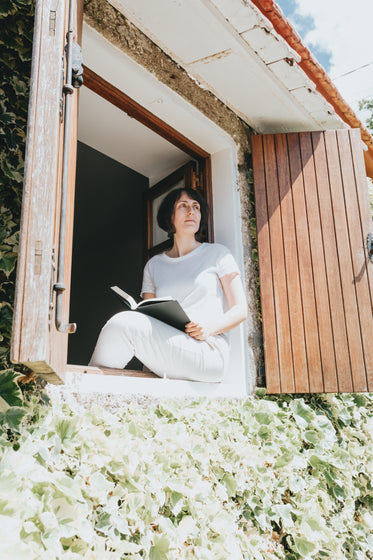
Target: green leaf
9, 389
7, 263
250, 176
303, 546
263, 418
284, 459
230, 483
302, 413
159, 548
311, 436
6, 7
13, 417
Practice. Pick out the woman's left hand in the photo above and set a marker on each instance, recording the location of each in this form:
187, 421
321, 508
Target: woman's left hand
197, 331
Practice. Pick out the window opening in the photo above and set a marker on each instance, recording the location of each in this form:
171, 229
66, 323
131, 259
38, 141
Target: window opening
124, 152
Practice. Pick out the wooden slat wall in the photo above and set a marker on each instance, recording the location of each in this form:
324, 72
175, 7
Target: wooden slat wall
313, 217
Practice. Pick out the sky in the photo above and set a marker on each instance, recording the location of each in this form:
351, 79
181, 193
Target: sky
339, 33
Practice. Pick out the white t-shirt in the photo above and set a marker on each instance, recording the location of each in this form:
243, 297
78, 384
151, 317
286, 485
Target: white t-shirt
193, 280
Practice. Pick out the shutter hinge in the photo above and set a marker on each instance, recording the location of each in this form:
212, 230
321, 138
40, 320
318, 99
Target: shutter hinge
76, 65
76, 78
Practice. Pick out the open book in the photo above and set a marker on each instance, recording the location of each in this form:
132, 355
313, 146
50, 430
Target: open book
165, 309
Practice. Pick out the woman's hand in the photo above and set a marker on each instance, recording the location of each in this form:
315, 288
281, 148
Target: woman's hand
197, 331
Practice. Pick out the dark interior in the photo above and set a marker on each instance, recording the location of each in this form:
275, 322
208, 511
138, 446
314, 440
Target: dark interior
107, 247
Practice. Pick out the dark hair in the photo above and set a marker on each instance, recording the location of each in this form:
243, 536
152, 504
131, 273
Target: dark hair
166, 210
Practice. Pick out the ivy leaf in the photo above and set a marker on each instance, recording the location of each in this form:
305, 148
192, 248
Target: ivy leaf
8, 263
6, 7
230, 484
303, 414
160, 548
13, 417
303, 546
263, 418
9, 389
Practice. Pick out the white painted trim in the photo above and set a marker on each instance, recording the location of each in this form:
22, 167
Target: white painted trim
86, 383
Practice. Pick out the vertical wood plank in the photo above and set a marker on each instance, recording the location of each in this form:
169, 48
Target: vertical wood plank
363, 200
305, 264
329, 371
265, 269
345, 264
298, 342
332, 265
358, 252
278, 266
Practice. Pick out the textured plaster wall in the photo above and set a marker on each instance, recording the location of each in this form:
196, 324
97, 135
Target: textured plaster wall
112, 25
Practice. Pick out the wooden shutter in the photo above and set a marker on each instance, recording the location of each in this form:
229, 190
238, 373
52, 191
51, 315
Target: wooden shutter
35, 341
316, 280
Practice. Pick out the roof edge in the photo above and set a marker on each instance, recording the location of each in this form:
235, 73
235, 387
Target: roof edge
313, 68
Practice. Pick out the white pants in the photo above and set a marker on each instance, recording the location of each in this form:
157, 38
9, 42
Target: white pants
165, 350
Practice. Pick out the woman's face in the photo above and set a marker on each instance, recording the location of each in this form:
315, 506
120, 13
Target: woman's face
186, 217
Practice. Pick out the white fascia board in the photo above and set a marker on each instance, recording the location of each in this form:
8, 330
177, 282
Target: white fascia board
241, 16
186, 31
290, 75
318, 107
244, 84
269, 45
200, 32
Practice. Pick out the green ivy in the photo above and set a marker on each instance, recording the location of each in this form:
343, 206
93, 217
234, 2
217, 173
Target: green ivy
367, 104
16, 22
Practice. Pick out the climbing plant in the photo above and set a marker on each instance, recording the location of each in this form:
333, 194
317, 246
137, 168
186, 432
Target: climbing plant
16, 22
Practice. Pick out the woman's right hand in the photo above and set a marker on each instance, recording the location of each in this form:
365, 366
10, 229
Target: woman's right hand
197, 331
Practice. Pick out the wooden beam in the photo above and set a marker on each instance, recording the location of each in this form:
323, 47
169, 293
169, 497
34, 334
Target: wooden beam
107, 91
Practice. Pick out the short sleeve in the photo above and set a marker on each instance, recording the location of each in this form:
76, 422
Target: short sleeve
147, 281
226, 263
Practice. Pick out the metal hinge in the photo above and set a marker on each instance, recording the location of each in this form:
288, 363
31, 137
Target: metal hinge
76, 74
76, 65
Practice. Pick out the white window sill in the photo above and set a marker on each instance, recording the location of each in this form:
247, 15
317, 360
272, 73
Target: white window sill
85, 383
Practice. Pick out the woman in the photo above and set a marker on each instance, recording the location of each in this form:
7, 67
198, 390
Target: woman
204, 278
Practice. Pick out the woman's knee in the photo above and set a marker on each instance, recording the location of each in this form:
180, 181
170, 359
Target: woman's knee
128, 320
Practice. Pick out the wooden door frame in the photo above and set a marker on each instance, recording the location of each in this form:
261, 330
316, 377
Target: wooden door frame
133, 109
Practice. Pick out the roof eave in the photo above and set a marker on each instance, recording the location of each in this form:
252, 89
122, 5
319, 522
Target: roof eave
313, 69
